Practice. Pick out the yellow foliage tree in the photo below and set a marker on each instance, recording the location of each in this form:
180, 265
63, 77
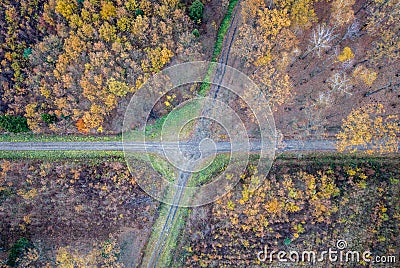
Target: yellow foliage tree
273, 206
102, 255
108, 10
368, 76
108, 32
276, 201
371, 129
124, 24
156, 59
81, 126
33, 117
384, 25
118, 88
66, 8
301, 12
346, 55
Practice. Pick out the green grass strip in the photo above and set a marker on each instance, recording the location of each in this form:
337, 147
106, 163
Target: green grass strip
223, 29
173, 237
328, 157
159, 164
218, 165
55, 155
30, 137
158, 225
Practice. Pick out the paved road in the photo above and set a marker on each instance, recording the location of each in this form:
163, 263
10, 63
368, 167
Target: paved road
157, 147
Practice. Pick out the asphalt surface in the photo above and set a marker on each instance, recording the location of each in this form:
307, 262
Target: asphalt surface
158, 147
162, 148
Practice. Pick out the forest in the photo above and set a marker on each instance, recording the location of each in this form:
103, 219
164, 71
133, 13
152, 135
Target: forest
71, 67
328, 69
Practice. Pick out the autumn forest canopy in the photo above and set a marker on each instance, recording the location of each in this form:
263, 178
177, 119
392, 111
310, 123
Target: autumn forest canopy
328, 69
67, 64
71, 66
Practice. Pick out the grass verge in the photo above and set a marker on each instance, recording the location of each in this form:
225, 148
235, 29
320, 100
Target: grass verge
54, 155
223, 29
324, 158
169, 125
176, 231
159, 164
30, 137
203, 176
177, 225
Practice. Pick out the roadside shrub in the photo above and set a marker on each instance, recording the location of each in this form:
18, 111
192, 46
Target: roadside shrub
196, 33
13, 123
49, 118
139, 12
27, 52
17, 250
196, 11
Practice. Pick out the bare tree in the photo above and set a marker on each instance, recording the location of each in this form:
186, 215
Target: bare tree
340, 83
320, 40
353, 31
324, 99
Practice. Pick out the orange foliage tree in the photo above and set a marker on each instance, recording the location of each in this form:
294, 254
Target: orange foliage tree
97, 54
369, 128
